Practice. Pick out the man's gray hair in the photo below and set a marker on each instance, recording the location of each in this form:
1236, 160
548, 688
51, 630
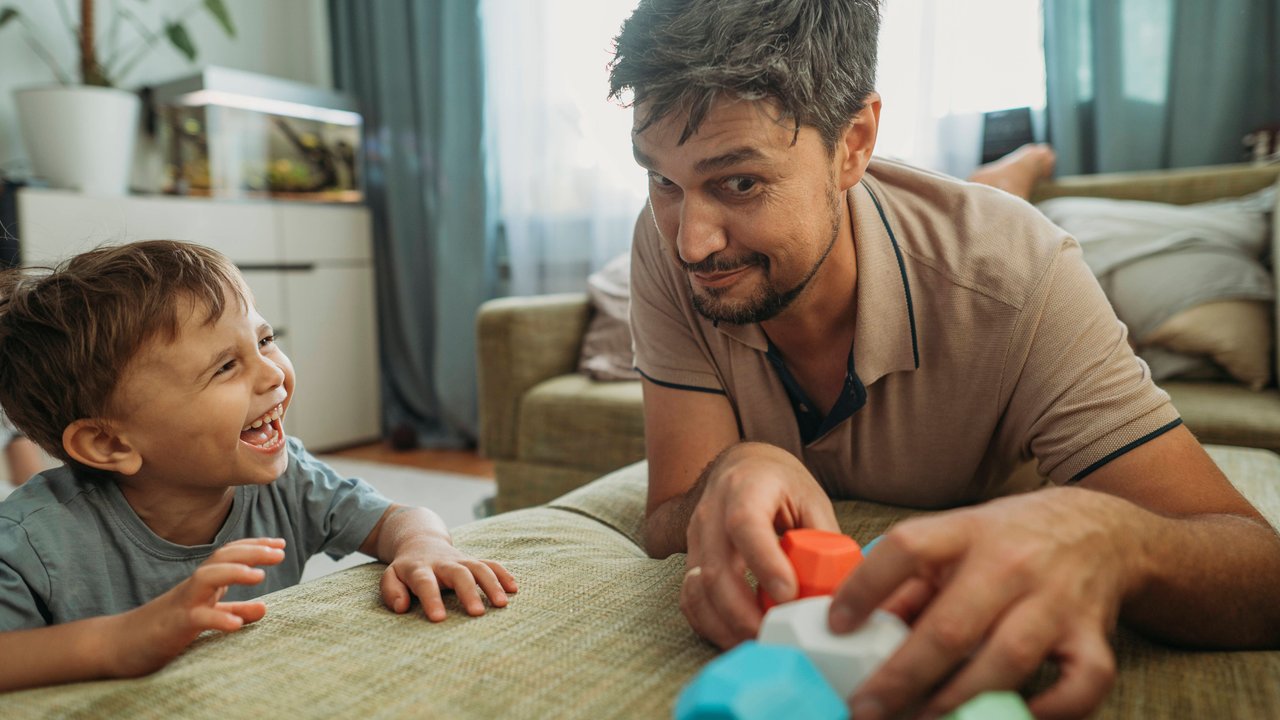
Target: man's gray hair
815, 58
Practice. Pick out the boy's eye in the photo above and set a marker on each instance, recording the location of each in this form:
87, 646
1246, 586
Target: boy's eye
226, 367
267, 341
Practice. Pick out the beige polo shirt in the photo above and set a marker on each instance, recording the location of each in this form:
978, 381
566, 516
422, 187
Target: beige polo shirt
982, 341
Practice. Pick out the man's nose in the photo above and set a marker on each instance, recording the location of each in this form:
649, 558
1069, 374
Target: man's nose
701, 231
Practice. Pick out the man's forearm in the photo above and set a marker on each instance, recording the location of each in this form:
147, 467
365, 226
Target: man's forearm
1212, 582
56, 654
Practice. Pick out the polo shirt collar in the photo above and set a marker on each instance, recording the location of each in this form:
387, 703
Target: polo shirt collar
884, 338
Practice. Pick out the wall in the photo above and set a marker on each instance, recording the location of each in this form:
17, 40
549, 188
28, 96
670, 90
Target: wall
284, 38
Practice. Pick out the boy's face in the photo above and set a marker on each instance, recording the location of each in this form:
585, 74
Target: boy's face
188, 407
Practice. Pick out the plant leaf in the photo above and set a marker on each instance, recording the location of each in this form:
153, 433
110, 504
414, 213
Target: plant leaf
218, 10
180, 39
7, 14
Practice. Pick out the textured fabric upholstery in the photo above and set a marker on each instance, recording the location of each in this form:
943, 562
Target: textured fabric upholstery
595, 632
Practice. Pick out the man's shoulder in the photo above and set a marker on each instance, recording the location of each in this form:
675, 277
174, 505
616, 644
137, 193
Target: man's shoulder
972, 235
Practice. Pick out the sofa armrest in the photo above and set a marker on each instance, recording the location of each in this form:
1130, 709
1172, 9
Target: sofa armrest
521, 342
1179, 187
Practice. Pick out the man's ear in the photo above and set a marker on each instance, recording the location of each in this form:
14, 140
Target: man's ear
853, 149
95, 444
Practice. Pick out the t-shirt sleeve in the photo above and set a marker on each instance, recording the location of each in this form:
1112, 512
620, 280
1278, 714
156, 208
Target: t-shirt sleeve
22, 581
1078, 395
337, 512
663, 329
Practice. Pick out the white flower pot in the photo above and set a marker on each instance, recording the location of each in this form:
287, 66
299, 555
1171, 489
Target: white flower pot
80, 137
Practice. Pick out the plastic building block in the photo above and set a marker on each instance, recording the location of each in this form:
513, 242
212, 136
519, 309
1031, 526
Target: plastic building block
821, 560
844, 660
759, 682
867, 548
1003, 705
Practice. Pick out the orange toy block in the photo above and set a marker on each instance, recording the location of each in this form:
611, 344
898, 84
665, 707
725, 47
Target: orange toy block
821, 560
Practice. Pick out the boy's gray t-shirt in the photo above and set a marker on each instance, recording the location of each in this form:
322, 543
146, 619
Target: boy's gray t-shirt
72, 549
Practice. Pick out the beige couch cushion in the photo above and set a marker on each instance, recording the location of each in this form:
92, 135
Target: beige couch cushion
595, 632
573, 421
1228, 413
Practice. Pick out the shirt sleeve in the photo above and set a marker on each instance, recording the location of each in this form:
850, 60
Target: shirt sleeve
20, 569
1078, 395
664, 329
337, 512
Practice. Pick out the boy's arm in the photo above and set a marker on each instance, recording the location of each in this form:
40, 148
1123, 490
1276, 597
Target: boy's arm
146, 638
420, 557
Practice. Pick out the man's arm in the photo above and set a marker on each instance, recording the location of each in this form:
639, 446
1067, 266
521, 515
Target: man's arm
1211, 562
723, 501
420, 556
1157, 536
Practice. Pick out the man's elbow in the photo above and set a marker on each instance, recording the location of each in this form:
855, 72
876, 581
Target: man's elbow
658, 542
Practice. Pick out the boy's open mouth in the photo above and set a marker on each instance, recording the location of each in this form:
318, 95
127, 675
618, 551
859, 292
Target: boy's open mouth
266, 432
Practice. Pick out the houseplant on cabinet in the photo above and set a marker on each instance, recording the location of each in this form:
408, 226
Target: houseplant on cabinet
80, 135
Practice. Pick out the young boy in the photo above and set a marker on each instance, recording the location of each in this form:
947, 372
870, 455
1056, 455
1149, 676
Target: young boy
146, 368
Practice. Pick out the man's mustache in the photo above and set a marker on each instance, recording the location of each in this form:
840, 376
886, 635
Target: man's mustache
714, 263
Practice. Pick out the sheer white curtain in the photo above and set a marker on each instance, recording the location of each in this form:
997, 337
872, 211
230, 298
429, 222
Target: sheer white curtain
569, 189
943, 63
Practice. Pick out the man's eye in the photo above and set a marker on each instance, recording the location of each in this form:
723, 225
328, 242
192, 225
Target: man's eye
659, 180
740, 184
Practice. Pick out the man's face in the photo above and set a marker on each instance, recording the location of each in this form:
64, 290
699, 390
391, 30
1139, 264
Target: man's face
188, 407
749, 215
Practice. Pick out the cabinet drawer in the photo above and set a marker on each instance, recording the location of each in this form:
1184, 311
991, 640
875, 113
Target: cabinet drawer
326, 233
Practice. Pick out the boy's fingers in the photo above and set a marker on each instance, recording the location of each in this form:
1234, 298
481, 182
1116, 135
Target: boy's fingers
395, 595
488, 581
208, 578
208, 618
507, 579
274, 542
248, 611
247, 554
463, 582
422, 581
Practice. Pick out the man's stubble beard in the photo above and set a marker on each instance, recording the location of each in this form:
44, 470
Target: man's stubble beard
768, 302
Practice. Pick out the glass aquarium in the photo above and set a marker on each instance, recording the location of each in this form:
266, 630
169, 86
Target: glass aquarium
230, 133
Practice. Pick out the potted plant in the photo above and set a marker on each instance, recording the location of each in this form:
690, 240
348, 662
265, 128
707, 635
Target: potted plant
80, 133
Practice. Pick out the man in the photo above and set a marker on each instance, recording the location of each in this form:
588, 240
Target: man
811, 324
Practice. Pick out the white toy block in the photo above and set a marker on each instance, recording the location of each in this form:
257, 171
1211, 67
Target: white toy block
844, 660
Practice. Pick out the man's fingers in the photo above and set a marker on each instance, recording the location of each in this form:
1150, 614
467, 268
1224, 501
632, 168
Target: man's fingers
1087, 672
702, 617
730, 597
911, 550
910, 599
248, 611
753, 537
1020, 643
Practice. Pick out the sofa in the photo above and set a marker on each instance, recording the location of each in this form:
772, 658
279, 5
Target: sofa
549, 429
594, 632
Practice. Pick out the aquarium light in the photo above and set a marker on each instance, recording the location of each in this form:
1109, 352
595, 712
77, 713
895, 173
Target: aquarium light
267, 105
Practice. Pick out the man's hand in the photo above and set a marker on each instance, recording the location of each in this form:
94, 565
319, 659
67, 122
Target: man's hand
751, 493
993, 592
146, 638
420, 557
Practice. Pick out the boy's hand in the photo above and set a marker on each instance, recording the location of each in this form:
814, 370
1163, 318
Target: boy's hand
148, 637
425, 562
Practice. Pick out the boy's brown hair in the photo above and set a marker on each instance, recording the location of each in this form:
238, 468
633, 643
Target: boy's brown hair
68, 333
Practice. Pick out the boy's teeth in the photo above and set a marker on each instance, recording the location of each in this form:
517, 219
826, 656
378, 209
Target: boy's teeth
273, 414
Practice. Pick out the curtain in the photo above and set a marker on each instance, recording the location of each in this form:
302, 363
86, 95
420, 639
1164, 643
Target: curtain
569, 191
417, 70
1147, 84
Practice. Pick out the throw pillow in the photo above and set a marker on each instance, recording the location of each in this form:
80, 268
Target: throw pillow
1231, 332
606, 348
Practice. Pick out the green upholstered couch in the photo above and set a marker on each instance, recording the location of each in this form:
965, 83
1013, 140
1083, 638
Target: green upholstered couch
595, 632
550, 429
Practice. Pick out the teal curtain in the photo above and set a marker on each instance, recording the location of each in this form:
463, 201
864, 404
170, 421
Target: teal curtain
416, 68
1147, 84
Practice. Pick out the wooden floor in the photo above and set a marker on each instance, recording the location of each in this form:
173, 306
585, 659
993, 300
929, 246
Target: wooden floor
463, 462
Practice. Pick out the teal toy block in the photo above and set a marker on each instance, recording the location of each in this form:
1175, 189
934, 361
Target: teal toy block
1003, 705
867, 548
759, 682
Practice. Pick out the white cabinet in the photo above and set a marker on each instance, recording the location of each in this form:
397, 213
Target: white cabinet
310, 268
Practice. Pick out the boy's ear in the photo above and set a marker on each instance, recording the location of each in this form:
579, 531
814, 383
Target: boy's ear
95, 444
856, 144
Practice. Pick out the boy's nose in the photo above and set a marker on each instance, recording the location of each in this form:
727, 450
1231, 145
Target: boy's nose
270, 374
